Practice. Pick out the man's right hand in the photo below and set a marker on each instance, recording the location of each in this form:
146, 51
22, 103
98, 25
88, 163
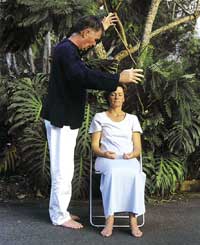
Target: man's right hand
131, 76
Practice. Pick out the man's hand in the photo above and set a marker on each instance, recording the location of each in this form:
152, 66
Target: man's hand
110, 154
110, 20
131, 76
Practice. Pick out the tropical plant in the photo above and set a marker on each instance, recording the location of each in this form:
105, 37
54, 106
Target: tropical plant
82, 157
193, 165
168, 171
167, 102
8, 153
35, 156
31, 18
8, 159
28, 128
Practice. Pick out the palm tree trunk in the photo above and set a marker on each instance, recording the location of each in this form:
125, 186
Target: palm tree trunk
148, 29
31, 60
47, 50
123, 54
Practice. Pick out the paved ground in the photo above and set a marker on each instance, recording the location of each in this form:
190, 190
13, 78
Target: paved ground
170, 223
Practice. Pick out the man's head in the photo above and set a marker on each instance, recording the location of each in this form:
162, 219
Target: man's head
90, 31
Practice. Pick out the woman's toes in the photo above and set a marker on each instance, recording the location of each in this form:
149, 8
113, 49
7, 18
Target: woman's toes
136, 232
106, 232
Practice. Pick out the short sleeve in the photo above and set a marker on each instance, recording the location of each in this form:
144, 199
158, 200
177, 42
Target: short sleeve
95, 125
136, 125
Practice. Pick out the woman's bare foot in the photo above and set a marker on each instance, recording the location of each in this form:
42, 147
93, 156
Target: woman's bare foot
72, 224
107, 231
74, 217
135, 231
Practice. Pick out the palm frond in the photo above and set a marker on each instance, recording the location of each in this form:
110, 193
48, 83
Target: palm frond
9, 159
169, 172
184, 138
35, 155
26, 101
82, 157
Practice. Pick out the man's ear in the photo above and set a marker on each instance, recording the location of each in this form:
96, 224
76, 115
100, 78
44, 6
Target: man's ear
82, 34
85, 32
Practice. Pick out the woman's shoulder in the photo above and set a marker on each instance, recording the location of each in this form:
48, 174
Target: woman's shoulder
131, 116
99, 115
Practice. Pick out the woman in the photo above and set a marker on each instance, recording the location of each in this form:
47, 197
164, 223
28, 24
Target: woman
117, 143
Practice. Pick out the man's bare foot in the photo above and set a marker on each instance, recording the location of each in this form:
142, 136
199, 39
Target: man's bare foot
135, 231
72, 224
74, 217
107, 231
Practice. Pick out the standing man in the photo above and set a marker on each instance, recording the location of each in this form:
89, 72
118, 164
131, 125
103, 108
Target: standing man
63, 109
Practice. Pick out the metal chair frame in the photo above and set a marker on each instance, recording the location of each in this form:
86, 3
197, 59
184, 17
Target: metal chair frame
91, 201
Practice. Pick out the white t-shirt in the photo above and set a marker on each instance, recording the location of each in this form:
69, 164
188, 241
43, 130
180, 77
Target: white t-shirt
116, 136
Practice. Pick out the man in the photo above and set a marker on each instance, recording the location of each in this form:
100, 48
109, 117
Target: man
63, 109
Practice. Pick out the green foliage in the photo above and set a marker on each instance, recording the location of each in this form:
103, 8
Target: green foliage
171, 109
26, 101
164, 172
35, 156
167, 103
193, 165
28, 129
8, 153
82, 157
8, 159
30, 18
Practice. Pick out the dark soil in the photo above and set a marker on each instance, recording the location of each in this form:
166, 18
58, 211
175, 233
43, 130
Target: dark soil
17, 188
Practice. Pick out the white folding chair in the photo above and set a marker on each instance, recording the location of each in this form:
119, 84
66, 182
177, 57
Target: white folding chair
96, 217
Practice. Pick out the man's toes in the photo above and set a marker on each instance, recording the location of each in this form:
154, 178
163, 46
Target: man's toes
72, 224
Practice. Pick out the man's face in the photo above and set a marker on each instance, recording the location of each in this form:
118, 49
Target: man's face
90, 38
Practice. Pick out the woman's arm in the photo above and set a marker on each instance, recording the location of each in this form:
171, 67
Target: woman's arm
137, 147
96, 147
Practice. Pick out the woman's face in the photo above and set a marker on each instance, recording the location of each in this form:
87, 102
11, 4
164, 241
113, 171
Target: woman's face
116, 98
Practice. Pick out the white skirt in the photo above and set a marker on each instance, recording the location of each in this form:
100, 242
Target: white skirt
122, 185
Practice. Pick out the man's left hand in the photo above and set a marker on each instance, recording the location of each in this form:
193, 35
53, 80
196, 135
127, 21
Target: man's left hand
110, 20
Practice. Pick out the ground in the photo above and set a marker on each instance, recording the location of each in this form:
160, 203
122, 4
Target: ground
18, 188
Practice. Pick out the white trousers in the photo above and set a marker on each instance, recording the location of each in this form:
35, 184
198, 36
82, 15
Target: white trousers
61, 143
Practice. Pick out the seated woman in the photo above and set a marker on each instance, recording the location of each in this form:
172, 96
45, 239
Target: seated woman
116, 142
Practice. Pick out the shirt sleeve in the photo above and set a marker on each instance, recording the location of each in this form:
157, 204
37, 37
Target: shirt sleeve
83, 76
136, 127
95, 125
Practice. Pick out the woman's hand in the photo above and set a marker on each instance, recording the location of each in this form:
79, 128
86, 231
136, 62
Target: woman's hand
110, 20
128, 155
110, 154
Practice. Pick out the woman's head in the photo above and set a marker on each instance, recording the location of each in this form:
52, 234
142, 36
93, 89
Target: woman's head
116, 98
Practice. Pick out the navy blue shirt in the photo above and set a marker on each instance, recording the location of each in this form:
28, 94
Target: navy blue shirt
69, 79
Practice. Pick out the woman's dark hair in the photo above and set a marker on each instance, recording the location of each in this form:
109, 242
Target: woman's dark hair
84, 22
108, 93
